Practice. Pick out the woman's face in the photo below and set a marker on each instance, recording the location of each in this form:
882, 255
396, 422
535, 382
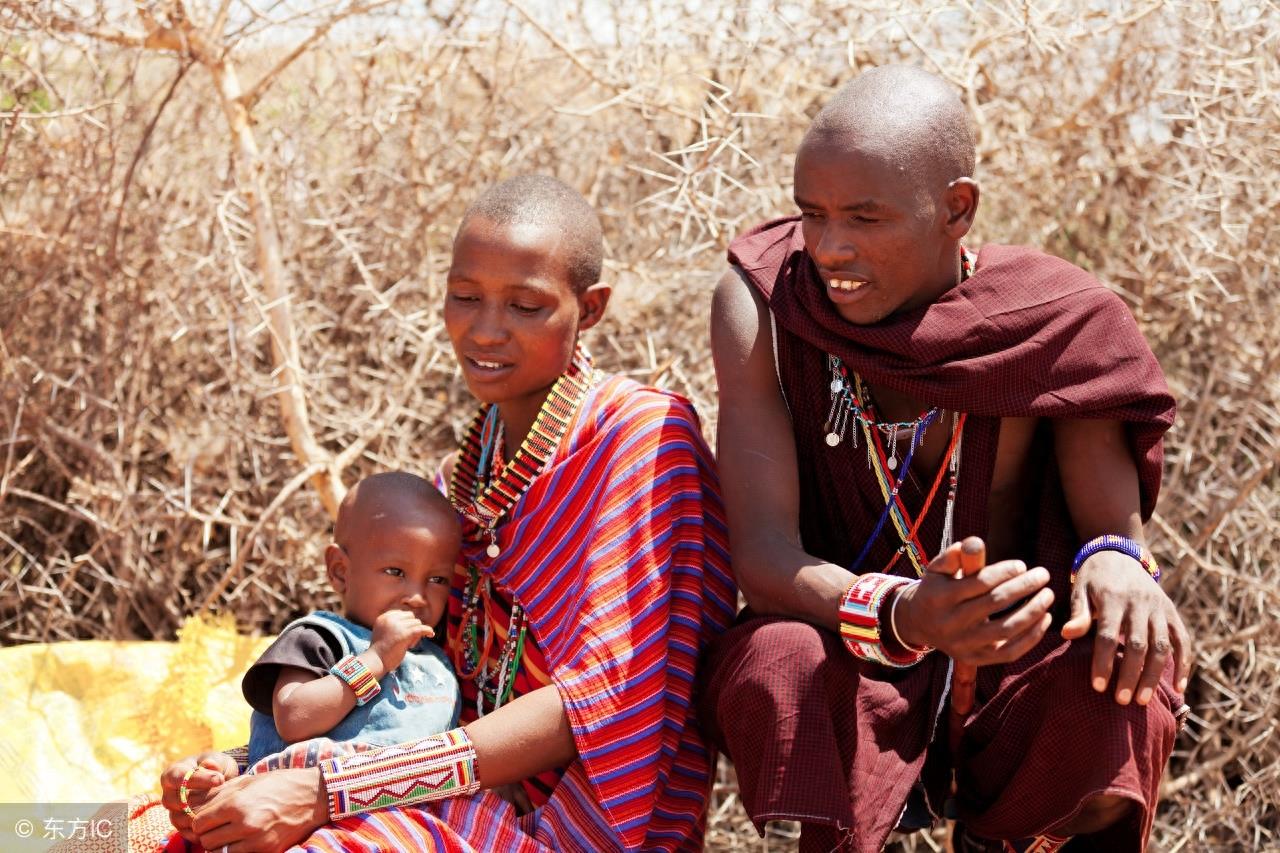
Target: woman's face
511, 312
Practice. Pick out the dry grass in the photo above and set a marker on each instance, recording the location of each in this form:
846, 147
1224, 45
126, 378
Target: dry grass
144, 470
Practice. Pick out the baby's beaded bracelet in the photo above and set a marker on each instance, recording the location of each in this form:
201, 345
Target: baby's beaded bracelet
358, 677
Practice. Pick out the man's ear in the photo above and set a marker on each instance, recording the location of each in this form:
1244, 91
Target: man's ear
591, 304
960, 201
335, 565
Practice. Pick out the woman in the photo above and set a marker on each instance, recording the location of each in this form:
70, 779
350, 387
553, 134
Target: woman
594, 572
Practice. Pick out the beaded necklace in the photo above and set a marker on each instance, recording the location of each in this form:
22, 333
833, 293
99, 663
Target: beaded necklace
484, 489
852, 401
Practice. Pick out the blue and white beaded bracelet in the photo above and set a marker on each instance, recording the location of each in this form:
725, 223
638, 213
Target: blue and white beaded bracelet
1123, 544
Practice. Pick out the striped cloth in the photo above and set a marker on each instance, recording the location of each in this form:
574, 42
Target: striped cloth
618, 554
532, 673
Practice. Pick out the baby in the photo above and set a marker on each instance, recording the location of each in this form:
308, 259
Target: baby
369, 676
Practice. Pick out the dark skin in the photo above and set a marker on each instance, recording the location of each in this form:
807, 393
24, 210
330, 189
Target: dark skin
510, 305
885, 241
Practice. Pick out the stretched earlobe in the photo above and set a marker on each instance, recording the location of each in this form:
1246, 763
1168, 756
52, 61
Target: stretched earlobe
592, 303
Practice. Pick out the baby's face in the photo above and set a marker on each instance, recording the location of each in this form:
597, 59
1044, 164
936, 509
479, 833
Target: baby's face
403, 565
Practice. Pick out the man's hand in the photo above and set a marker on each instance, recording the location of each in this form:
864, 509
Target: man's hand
952, 614
264, 813
394, 633
213, 768
1116, 590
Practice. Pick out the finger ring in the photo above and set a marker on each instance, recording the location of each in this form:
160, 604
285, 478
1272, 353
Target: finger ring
183, 792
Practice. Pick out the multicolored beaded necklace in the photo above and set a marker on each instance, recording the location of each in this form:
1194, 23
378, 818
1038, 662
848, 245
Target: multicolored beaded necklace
852, 401
484, 489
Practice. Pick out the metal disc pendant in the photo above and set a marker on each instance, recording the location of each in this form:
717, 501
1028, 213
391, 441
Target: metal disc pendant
493, 550
832, 439
836, 385
893, 463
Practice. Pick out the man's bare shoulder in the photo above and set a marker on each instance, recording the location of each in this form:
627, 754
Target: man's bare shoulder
738, 314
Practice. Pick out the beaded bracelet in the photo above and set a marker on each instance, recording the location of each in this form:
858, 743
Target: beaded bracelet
184, 793
860, 620
434, 768
1112, 542
358, 677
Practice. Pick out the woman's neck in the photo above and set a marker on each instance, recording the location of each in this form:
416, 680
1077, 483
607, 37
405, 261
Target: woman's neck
517, 419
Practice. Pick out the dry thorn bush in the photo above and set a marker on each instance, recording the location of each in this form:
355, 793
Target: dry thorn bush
146, 471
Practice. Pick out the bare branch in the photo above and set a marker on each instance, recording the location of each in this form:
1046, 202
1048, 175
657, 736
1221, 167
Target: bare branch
249, 98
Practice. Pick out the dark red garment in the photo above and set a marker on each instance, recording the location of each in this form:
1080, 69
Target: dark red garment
1026, 335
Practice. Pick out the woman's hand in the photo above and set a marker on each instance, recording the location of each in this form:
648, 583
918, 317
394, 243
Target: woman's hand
213, 768
952, 613
1127, 603
515, 794
266, 813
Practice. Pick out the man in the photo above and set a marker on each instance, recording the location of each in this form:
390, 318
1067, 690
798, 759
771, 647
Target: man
884, 392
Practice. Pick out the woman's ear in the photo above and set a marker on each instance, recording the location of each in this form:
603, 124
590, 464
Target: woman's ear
335, 565
591, 304
961, 203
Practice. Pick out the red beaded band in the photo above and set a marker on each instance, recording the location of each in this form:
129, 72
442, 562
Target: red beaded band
860, 620
358, 677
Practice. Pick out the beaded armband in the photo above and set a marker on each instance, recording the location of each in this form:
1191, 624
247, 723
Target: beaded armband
434, 768
1123, 544
860, 620
358, 677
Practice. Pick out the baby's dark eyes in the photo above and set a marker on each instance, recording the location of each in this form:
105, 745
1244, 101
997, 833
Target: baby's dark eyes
393, 571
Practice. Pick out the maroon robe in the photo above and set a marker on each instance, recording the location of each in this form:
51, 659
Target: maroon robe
820, 738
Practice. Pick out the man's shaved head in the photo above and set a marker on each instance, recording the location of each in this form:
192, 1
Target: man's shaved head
545, 203
907, 116
394, 497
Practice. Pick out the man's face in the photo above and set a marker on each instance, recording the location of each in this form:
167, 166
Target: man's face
873, 229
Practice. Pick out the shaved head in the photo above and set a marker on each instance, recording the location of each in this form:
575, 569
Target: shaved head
549, 205
909, 118
394, 498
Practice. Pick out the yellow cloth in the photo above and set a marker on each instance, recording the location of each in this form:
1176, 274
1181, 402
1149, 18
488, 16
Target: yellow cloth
95, 721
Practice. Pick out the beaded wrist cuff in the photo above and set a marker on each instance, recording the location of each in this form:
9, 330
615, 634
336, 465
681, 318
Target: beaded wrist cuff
1123, 544
358, 677
434, 768
860, 620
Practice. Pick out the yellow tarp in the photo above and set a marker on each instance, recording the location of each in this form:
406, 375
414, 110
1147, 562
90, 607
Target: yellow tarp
95, 721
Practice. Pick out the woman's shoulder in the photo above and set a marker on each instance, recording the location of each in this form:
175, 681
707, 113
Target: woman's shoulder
623, 404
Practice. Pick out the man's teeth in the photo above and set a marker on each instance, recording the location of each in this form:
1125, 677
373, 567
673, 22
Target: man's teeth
846, 285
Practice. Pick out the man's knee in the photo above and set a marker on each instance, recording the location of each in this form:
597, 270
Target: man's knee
774, 651
1097, 814
760, 664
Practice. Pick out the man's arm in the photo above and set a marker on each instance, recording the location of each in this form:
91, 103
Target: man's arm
757, 461
1100, 482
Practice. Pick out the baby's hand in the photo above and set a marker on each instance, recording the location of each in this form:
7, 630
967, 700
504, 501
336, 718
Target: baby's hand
515, 794
394, 633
